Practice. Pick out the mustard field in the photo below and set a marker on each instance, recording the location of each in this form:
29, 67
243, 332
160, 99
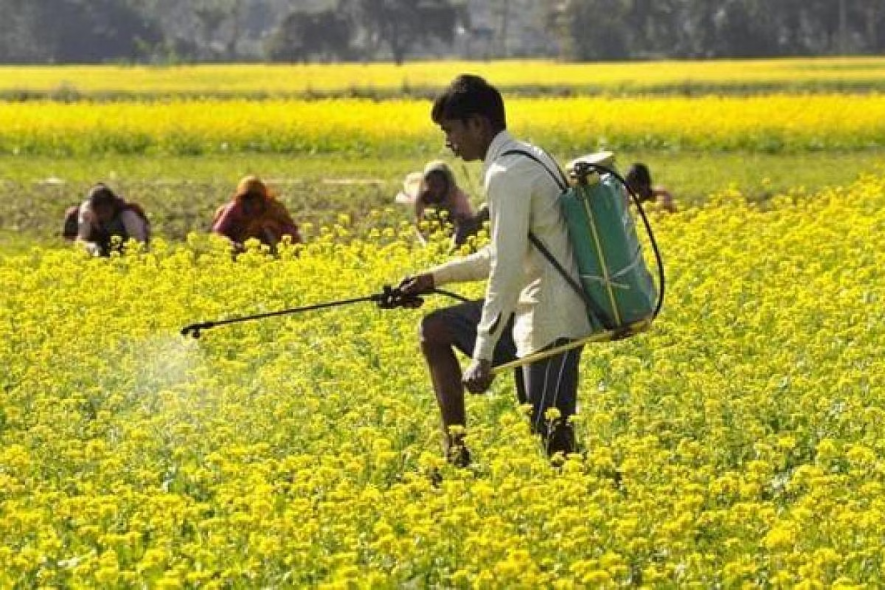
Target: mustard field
368, 128
375, 79
738, 443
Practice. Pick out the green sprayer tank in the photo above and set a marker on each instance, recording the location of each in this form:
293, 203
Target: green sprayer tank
609, 256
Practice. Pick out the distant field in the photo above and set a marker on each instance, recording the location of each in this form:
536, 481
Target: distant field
180, 156
424, 78
402, 127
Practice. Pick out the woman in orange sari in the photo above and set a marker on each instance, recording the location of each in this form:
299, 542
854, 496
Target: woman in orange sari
254, 212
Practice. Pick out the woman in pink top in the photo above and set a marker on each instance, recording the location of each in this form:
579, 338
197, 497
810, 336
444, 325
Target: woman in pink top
254, 212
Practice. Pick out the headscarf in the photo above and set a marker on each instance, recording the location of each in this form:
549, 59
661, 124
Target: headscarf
273, 216
251, 186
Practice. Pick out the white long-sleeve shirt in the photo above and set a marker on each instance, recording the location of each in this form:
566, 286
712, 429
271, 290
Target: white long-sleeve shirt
522, 197
132, 223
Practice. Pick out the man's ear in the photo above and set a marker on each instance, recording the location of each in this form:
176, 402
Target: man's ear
476, 123
481, 125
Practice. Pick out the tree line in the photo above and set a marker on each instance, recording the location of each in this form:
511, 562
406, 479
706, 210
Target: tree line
85, 31
630, 29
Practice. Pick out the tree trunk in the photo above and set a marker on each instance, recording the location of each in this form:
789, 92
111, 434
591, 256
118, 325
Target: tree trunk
396, 45
505, 21
236, 11
873, 11
843, 28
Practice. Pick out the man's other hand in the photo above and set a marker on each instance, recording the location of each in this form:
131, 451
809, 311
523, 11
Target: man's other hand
478, 376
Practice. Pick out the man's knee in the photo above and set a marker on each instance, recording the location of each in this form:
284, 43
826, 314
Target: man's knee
433, 329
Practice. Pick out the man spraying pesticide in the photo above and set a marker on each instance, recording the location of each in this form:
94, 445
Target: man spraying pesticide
564, 268
538, 310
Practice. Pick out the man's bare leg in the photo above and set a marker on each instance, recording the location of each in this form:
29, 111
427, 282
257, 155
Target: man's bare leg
437, 344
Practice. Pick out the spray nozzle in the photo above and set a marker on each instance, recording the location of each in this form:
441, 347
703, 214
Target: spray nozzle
194, 330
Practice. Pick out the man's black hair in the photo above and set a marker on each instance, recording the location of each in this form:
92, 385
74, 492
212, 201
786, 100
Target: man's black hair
467, 96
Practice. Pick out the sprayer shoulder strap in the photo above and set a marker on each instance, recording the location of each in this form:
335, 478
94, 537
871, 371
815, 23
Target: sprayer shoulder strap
560, 179
593, 308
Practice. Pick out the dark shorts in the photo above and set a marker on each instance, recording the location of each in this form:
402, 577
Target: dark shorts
545, 384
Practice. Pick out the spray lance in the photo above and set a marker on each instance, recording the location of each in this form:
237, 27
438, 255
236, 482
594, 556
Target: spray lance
388, 298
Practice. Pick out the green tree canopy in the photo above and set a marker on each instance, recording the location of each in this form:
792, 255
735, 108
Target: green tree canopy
403, 24
303, 36
628, 29
65, 31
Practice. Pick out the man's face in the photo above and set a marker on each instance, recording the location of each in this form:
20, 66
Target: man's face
465, 138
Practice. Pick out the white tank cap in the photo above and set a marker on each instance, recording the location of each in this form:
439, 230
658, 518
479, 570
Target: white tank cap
606, 159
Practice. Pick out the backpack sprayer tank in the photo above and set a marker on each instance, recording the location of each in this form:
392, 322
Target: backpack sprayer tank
609, 256
615, 283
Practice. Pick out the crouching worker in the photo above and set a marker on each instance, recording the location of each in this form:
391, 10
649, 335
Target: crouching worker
254, 212
438, 199
528, 306
440, 192
639, 180
101, 218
